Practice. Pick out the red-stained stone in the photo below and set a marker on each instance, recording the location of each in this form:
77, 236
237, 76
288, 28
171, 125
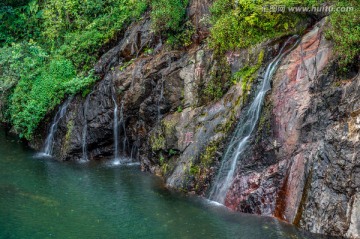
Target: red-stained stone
259, 192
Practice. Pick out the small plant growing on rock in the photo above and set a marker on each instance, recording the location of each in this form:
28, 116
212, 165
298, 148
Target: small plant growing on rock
157, 140
179, 109
247, 74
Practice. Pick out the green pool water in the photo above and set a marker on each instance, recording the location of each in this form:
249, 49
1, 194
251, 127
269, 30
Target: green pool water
42, 198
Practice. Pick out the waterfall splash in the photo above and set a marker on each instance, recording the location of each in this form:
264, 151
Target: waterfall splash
240, 139
49, 142
84, 131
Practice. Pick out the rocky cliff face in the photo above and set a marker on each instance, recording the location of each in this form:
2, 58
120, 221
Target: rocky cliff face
305, 159
178, 110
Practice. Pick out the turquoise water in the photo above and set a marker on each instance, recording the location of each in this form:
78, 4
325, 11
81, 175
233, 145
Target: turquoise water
42, 198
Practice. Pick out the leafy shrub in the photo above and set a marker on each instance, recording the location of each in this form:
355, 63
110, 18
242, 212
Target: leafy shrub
169, 20
345, 32
247, 73
183, 37
78, 29
21, 60
19, 21
34, 97
71, 34
167, 15
242, 23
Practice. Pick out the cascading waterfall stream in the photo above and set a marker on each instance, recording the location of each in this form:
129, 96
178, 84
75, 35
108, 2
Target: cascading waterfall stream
49, 142
240, 139
118, 122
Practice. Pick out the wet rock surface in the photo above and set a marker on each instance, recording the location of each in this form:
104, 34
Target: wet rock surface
313, 134
303, 166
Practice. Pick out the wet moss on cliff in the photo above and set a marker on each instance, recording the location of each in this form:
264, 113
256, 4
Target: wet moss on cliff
264, 130
200, 171
218, 82
248, 73
70, 127
157, 140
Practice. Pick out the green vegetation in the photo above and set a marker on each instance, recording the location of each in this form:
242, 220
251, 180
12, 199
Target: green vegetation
345, 32
264, 128
165, 168
183, 37
33, 97
242, 23
207, 158
78, 29
219, 82
247, 74
169, 19
19, 20
172, 152
179, 109
168, 127
157, 140
199, 170
66, 144
48, 48
167, 15
194, 169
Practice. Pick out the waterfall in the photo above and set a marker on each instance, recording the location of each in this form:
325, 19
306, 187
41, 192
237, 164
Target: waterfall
119, 122
116, 129
245, 127
84, 131
49, 142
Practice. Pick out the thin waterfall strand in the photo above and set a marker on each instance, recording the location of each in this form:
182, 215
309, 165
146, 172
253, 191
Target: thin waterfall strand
240, 140
119, 123
49, 142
